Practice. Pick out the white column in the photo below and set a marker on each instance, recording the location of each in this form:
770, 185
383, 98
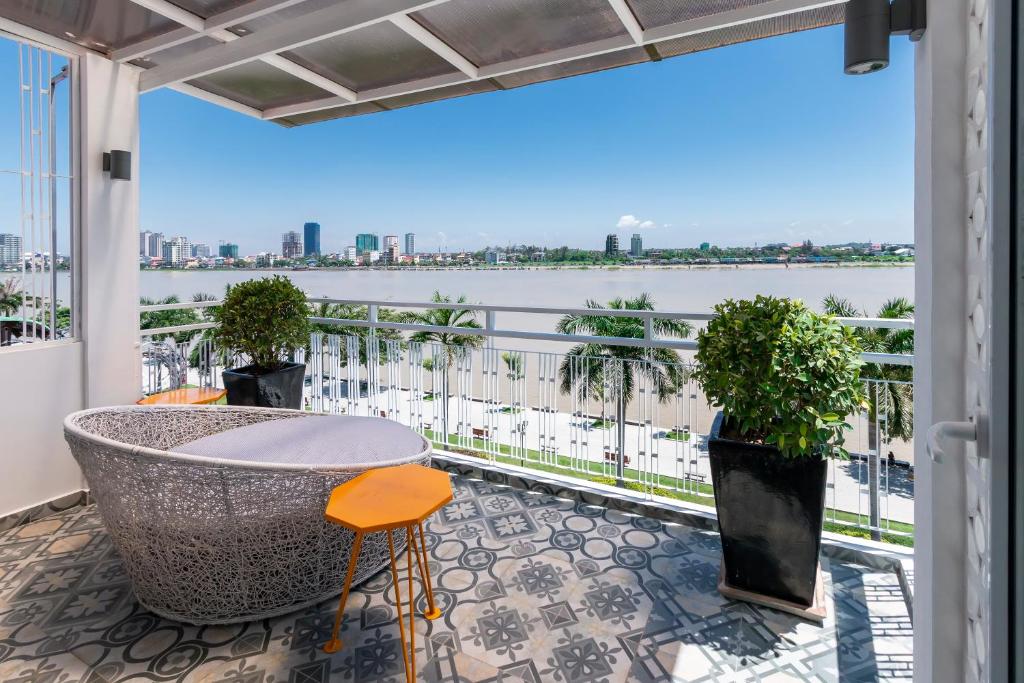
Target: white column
939, 348
109, 267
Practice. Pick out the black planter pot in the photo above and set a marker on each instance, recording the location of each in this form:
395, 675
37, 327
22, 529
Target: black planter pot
770, 511
279, 389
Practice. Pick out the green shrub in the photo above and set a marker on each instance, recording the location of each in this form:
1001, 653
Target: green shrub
263, 319
783, 374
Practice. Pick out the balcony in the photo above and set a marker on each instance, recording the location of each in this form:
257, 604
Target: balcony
539, 583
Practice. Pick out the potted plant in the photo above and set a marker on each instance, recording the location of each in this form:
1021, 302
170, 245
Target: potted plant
785, 378
264, 321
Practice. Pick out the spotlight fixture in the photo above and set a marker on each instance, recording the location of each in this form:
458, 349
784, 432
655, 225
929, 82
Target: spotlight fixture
118, 163
869, 23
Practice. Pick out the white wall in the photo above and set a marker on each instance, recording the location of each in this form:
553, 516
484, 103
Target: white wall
38, 387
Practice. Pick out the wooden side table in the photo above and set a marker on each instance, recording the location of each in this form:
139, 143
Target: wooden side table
191, 396
388, 499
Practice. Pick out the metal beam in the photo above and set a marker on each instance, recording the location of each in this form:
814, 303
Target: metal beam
628, 19
172, 12
219, 100
232, 17
772, 8
287, 35
435, 44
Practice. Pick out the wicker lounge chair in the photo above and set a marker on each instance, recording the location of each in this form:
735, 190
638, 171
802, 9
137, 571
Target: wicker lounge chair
210, 540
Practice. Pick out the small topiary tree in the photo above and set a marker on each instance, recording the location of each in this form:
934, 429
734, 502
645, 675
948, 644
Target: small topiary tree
263, 319
783, 375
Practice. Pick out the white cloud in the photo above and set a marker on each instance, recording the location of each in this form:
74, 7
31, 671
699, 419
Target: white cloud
631, 222
441, 237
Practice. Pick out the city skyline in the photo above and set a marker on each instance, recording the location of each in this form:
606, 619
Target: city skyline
679, 163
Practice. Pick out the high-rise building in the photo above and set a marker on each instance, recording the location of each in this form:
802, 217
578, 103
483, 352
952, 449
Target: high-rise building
391, 255
367, 242
611, 245
156, 244
311, 239
291, 245
410, 243
10, 249
636, 245
200, 250
350, 254
176, 251
389, 242
145, 239
228, 250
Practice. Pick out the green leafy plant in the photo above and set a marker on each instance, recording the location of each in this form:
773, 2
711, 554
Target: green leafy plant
783, 374
448, 347
263, 319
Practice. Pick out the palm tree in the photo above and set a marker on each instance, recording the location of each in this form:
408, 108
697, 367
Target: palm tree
893, 394
450, 346
591, 368
11, 296
363, 334
171, 318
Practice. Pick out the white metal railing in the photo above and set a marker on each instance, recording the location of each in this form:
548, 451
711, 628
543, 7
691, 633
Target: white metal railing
522, 407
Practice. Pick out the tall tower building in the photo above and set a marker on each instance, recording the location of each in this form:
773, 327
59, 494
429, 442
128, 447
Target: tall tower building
291, 245
176, 251
636, 245
144, 243
311, 239
156, 244
228, 250
410, 243
367, 242
10, 250
611, 245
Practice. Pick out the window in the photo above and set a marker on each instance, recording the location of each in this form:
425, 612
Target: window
37, 297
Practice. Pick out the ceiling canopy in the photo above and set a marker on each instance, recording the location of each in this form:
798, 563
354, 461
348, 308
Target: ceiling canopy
303, 61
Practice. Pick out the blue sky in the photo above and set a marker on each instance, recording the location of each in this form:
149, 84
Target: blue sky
760, 142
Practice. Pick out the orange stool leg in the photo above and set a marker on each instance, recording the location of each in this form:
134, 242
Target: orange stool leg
398, 605
433, 612
410, 674
333, 645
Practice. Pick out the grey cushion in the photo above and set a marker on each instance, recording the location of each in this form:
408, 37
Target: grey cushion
311, 440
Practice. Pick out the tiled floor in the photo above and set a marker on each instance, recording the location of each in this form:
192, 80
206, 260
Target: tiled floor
533, 588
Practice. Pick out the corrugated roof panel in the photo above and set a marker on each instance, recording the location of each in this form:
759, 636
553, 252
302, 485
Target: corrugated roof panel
754, 30
654, 13
373, 57
487, 32
259, 85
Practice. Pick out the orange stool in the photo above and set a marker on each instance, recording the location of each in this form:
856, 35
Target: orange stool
388, 499
192, 395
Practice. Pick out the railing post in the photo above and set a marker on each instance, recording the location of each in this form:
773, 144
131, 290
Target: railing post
490, 318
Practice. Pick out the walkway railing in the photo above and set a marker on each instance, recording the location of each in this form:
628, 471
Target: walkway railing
638, 423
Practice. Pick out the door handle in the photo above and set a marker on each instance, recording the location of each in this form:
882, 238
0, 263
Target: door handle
964, 431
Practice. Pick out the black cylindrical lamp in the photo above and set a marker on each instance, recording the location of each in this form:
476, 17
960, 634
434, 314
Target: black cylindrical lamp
867, 36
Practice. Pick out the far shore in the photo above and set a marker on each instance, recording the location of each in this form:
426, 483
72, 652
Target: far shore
650, 266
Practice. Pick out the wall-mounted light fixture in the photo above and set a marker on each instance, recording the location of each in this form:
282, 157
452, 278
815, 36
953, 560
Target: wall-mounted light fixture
869, 23
118, 163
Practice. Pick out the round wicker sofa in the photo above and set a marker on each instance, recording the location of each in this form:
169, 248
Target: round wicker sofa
213, 541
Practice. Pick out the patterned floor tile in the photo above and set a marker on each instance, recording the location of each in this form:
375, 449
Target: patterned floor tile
532, 588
